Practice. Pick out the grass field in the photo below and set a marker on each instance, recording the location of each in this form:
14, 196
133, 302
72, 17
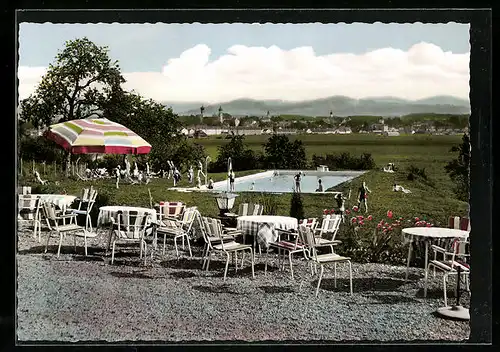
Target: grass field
383, 149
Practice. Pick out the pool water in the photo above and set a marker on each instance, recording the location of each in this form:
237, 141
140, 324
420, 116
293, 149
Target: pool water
284, 183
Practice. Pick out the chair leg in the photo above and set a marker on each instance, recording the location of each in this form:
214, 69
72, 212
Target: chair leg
445, 276
227, 265
253, 262
175, 245
319, 280
85, 242
145, 252
233, 256
60, 243
208, 261
467, 284
265, 264
189, 247
47, 243
291, 264
335, 275
203, 254
164, 243
350, 276
113, 252
425, 282
74, 241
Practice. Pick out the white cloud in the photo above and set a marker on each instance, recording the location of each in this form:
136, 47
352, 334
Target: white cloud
297, 74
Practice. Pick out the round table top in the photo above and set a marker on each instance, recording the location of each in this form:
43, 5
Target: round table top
435, 232
116, 208
265, 218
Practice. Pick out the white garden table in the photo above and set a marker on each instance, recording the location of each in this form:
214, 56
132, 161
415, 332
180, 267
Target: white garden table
251, 224
427, 234
62, 201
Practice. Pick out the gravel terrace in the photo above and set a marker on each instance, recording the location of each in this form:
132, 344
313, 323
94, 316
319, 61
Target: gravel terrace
77, 298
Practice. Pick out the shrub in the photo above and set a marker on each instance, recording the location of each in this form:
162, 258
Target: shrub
345, 161
49, 188
415, 172
269, 202
296, 206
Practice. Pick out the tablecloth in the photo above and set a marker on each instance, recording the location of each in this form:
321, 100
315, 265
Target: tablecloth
263, 227
62, 201
110, 211
418, 234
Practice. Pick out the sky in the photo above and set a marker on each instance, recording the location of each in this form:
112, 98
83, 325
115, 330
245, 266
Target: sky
294, 62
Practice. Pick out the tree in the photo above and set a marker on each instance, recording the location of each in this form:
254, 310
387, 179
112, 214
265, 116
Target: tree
296, 206
458, 169
81, 78
280, 153
241, 157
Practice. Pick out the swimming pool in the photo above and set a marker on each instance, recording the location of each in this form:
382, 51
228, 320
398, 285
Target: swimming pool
282, 181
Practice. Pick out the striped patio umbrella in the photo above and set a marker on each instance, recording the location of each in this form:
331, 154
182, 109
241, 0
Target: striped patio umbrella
97, 136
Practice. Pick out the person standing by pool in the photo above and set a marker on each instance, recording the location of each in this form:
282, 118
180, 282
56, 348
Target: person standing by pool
320, 186
298, 178
340, 199
231, 180
210, 183
362, 195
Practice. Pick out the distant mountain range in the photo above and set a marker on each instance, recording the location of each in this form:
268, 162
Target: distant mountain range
339, 105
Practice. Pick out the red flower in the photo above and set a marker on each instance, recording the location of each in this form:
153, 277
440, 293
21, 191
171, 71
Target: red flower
389, 228
353, 220
384, 230
379, 226
370, 217
429, 225
389, 214
325, 211
400, 218
417, 219
347, 211
386, 224
332, 211
355, 208
360, 217
361, 222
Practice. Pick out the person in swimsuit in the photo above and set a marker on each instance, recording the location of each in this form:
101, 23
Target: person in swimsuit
231, 180
320, 186
363, 193
298, 178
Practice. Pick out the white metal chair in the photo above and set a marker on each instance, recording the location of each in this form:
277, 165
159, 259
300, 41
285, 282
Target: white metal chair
290, 247
29, 206
171, 210
208, 227
329, 226
52, 220
130, 228
176, 228
322, 259
87, 201
312, 223
456, 256
230, 248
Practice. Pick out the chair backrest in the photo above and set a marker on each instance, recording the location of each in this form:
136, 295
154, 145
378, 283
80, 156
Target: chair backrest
24, 190
312, 223
49, 212
28, 202
330, 225
307, 238
456, 222
243, 209
132, 224
172, 209
258, 209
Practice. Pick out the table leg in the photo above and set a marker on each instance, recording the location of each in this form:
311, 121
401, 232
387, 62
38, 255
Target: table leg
426, 258
409, 256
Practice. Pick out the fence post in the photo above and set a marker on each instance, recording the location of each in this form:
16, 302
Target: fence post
21, 159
